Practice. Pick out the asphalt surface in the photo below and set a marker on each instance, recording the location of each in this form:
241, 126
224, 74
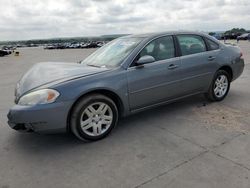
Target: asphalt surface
191, 143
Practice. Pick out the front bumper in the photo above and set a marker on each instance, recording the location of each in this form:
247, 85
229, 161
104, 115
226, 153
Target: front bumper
46, 118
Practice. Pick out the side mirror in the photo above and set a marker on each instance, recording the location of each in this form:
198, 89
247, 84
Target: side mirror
145, 59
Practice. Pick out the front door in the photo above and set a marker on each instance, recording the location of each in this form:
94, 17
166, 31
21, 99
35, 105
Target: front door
157, 81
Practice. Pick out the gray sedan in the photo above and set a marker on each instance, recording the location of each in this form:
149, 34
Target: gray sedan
125, 76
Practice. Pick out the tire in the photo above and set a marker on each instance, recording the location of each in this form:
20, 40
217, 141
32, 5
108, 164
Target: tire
215, 95
93, 117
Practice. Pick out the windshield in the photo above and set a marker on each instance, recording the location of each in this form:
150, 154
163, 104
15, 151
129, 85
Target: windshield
113, 53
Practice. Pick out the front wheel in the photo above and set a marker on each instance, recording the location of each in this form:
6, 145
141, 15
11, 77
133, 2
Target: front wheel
93, 117
220, 86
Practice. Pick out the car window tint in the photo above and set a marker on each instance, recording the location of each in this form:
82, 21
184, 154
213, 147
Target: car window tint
161, 48
149, 48
191, 44
212, 45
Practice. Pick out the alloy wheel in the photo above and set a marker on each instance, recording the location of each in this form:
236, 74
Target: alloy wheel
96, 119
221, 86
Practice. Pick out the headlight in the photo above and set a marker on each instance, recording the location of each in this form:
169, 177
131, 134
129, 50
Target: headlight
43, 96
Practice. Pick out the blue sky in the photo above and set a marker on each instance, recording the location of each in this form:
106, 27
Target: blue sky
35, 19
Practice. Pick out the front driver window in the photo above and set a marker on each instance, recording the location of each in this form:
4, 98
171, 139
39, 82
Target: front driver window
161, 48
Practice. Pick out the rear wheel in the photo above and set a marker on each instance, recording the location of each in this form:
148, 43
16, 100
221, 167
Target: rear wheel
219, 87
93, 117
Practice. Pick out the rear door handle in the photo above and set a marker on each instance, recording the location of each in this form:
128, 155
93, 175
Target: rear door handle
211, 58
172, 66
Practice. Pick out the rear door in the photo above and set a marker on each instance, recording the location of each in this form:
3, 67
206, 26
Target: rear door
198, 63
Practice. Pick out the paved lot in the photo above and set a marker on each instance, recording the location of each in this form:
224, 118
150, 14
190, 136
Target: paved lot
190, 143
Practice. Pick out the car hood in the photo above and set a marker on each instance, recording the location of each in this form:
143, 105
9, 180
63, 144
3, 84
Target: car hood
49, 72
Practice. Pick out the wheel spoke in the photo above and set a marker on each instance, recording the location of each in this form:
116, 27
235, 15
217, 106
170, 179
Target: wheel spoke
97, 129
217, 82
102, 109
221, 92
85, 122
222, 79
105, 122
107, 117
216, 89
89, 114
91, 109
87, 126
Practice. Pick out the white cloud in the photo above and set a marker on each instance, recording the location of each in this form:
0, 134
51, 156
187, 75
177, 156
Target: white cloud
26, 19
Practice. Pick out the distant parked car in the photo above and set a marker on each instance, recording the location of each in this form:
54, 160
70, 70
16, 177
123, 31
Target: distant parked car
49, 47
244, 36
60, 46
4, 52
218, 36
127, 75
100, 44
9, 48
75, 45
85, 45
92, 45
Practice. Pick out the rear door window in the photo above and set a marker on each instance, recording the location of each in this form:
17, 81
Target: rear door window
191, 44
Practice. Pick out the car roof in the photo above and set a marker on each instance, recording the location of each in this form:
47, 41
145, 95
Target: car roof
156, 34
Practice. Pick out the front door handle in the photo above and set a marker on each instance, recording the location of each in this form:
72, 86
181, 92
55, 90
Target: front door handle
211, 58
172, 66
